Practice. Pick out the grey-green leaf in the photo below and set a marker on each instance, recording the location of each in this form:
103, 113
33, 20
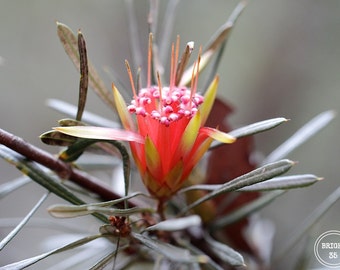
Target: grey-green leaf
15, 231
308, 222
300, 136
224, 252
70, 43
245, 210
30, 261
169, 251
70, 211
284, 182
253, 129
258, 175
214, 44
176, 224
88, 117
13, 185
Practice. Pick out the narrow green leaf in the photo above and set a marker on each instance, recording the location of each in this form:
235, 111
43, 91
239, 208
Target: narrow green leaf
214, 44
120, 212
13, 185
53, 137
136, 48
121, 264
184, 61
75, 150
16, 230
88, 117
244, 211
311, 219
30, 261
70, 44
176, 224
258, 175
224, 252
219, 56
169, 251
284, 182
300, 136
41, 177
254, 129
69, 211
84, 76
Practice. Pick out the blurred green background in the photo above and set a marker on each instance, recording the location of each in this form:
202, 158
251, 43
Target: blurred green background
283, 59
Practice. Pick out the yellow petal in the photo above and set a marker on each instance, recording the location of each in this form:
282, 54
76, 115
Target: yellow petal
190, 133
217, 135
209, 99
123, 113
153, 161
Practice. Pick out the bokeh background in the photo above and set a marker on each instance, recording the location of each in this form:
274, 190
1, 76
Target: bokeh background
283, 59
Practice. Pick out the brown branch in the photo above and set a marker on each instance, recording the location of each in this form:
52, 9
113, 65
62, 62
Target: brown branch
62, 169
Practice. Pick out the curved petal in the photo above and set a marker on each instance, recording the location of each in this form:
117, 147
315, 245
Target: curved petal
123, 113
190, 133
101, 133
217, 135
209, 99
153, 160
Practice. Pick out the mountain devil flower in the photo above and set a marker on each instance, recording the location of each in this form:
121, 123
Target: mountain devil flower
168, 136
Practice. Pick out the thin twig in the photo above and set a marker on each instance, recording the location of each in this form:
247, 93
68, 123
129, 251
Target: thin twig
62, 169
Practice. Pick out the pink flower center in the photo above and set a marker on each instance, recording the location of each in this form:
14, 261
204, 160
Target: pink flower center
167, 105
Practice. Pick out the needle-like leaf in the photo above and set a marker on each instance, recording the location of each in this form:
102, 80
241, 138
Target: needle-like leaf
301, 136
16, 230
69, 41
30, 261
258, 175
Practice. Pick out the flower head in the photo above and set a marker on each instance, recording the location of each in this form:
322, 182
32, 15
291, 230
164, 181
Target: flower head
168, 137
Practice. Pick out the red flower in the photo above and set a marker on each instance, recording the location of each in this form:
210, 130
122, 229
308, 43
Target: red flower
169, 136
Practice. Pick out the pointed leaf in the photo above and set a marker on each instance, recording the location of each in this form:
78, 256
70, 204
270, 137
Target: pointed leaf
101, 133
253, 129
88, 117
169, 251
30, 261
284, 182
53, 137
84, 76
66, 211
16, 230
120, 212
216, 41
258, 175
308, 222
224, 252
300, 136
184, 61
246, 210
9, 187
41, 177
70, 44
176, 224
